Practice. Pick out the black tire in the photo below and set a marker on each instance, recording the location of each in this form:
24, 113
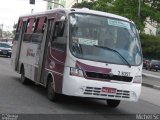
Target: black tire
113, 103
8, 55
24, 80
52, 95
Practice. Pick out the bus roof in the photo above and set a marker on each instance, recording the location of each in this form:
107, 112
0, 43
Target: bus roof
72, 10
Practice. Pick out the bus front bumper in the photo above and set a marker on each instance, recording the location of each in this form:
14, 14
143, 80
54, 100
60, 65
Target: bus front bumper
81, 87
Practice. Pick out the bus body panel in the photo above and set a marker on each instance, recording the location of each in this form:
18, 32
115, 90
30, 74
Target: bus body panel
55, 64
14, 51
29, 58
92, 87
42, 60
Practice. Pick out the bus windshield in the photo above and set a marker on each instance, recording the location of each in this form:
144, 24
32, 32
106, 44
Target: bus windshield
104, 39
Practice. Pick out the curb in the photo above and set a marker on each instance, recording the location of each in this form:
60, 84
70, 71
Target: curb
149, 75
151, 86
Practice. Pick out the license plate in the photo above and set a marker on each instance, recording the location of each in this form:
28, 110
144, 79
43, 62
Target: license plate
4, 52
109, 90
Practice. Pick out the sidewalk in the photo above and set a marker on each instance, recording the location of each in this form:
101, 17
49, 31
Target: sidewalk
152, 81
150, 75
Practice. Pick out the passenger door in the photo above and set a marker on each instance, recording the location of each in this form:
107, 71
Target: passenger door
43, 50
18, 46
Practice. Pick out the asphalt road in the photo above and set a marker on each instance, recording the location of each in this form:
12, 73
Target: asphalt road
16, 98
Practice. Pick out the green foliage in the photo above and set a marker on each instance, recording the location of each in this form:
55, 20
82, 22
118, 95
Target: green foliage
129, 9
153, 3
84, 5
150, 45
14, 28
103, 5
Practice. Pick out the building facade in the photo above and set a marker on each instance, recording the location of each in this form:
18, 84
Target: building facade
152, 28
56, 4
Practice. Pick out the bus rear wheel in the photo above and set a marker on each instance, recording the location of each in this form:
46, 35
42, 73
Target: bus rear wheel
113, 103
52, 95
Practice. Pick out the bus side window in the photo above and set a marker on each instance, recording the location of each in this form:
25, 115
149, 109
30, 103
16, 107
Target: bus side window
59, 40
30, 25
20, 23
59, 28
41, 25
29, 30
38, 30
44, 25
36, 25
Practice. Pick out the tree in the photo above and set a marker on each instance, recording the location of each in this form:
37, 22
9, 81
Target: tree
153, 3
84, 5
150, 46
14, 28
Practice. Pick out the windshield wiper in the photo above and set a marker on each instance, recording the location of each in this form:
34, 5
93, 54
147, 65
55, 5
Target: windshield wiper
104, 47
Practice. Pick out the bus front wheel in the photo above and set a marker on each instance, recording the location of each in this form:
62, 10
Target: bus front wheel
24, 80
113, 103
52, 95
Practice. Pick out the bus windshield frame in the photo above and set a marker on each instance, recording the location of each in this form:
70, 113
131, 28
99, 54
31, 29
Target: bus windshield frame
90, 34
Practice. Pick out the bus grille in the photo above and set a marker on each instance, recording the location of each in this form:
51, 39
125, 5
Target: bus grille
108, 77
93, 91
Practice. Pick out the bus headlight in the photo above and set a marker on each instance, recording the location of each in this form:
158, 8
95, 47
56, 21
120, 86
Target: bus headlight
137, 79
76, 72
